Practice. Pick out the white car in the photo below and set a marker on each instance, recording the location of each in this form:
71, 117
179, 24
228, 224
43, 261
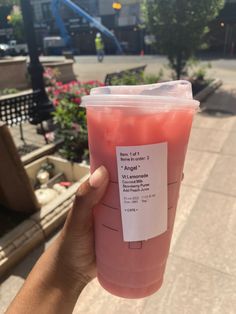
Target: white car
4, 49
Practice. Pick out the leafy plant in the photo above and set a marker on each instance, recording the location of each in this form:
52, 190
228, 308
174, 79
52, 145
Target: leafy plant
199, 71
152, 78
179, 27
134, 79
9, 2
18, 26
8, 91
51, 76
128, 79
70, 118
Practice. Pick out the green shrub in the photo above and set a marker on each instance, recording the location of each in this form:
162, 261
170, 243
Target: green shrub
8, 91
135, 79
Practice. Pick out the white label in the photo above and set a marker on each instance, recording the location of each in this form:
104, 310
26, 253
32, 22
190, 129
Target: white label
142, 176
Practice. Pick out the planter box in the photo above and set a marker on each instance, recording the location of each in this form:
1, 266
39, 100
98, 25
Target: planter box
64, 67
74, 172
40, 152
14, 73
22, 239
208, 90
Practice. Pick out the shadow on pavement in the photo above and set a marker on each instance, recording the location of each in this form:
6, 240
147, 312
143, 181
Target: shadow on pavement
221, 103
23, 268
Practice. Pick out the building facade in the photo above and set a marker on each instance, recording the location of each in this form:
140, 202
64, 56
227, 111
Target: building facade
124, 23
222, 36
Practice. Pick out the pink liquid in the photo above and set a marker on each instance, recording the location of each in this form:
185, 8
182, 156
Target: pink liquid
134, 269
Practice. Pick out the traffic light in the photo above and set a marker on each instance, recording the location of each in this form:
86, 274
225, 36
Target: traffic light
9, 18
116, 6
5, 13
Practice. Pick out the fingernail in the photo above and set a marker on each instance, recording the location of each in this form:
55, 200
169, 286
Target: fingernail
98, 177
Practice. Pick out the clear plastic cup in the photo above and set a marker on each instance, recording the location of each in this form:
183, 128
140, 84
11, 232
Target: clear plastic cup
130, 118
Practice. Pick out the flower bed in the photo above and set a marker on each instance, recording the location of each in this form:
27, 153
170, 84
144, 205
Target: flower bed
69, 118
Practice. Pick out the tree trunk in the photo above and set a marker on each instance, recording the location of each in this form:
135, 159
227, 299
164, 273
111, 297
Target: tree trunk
179, 65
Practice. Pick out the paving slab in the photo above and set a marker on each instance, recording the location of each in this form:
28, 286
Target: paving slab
223, 176
13, 280
209, 237
191, 288
234, 125
187, 199
197, 167
95, 300
188, 288
30, 135
217, 122
223, 100
209, 140
229, 147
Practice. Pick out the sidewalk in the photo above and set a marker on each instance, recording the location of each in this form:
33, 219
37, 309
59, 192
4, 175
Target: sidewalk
30, 136
201, 272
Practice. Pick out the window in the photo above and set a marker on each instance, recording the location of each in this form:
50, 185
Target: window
46, 11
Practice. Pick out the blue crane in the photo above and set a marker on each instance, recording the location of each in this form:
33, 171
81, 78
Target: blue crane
55, 7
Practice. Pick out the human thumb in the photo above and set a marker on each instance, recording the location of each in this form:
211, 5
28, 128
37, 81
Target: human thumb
88, 195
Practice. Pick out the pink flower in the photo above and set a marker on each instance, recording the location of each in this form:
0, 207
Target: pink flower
77, 101
50, 136
76, 126
56, 92
59, 84
55, 102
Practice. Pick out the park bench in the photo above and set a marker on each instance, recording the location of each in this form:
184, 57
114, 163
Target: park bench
21, 108
138, 71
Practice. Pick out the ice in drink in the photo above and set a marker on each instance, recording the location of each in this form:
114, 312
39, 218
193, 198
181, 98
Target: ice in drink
135, 269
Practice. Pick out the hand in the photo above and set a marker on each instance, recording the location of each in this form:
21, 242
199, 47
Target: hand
75, 245
64, 269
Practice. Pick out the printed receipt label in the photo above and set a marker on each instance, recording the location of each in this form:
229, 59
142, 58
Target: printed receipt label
142, 176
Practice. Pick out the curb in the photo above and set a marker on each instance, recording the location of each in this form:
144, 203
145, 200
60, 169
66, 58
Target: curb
207, 91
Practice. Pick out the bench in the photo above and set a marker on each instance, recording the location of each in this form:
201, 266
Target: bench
20, 108
138, 71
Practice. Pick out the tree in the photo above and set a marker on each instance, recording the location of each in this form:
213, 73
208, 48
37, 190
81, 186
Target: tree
18, 26
9, 2
14, 18
6, 7
179, 27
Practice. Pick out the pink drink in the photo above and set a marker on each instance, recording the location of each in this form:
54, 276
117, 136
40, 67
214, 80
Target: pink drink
134, 269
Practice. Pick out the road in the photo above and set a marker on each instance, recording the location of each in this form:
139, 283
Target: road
87, 67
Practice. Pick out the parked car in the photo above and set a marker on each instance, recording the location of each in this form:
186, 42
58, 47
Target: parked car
4, 50
16, 49
53, 45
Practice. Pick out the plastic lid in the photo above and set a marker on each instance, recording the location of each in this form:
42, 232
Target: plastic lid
161, 95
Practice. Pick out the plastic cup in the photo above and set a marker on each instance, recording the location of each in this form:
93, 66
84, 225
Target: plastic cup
135, 269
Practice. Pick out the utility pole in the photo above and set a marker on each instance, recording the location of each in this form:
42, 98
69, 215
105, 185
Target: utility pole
45, 107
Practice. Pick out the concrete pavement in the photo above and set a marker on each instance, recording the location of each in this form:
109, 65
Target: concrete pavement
201, 272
